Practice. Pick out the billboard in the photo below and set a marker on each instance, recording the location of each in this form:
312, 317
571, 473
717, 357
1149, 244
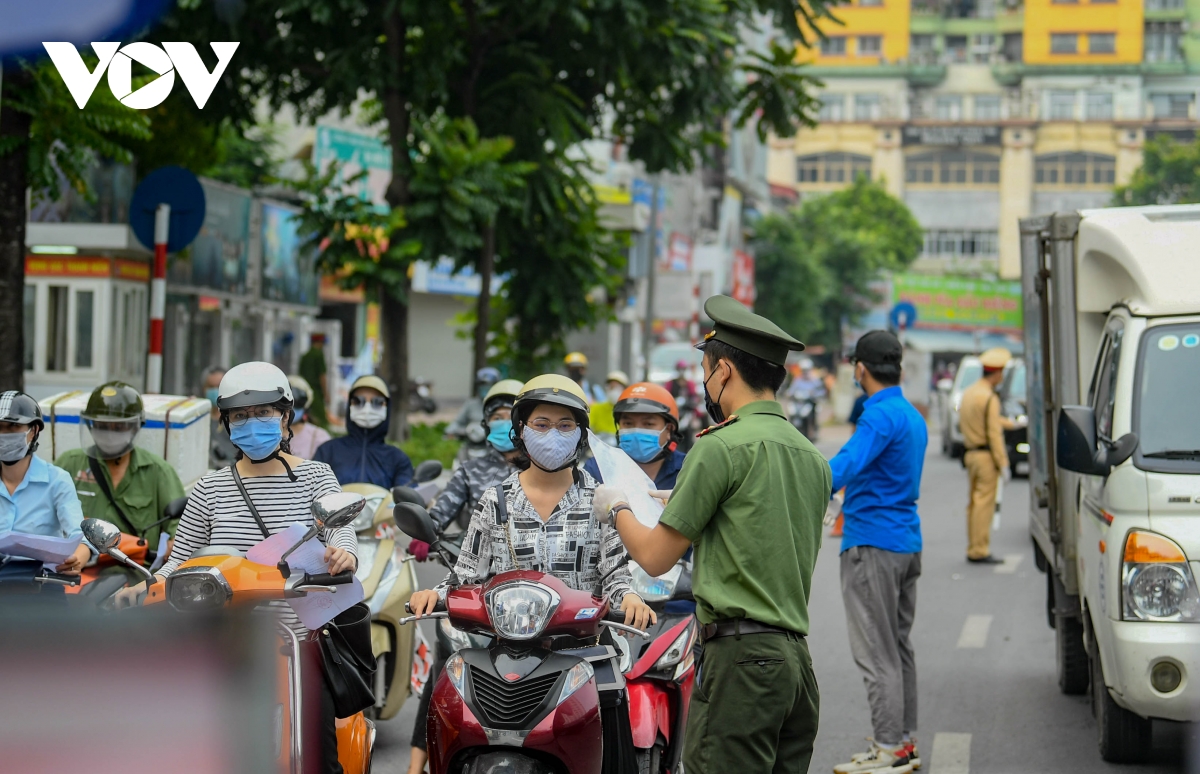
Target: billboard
289, 271
355, 152
958, 303
217, 258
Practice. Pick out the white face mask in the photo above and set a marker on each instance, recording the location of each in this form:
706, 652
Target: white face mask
614, 394
14, 446
367, 416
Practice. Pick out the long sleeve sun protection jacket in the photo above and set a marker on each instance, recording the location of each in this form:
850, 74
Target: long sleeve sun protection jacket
364, 456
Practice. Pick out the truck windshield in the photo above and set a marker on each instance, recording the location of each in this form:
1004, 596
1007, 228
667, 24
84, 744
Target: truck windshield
1167, 409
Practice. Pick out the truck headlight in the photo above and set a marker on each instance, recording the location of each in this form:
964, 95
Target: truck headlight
457, 637
652, 589
1156, 581
194, 589
521, 610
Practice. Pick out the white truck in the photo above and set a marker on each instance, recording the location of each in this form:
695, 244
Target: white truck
1112, 342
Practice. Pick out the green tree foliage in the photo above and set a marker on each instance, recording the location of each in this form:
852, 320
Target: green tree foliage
1170, 174
815, 264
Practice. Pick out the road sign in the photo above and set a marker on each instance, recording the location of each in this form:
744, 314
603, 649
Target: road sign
174, 186
903, 315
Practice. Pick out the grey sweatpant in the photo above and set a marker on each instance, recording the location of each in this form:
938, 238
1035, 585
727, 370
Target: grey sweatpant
879, 589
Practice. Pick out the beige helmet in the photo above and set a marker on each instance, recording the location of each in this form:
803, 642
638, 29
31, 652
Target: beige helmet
995, 358
553, 388
503, 392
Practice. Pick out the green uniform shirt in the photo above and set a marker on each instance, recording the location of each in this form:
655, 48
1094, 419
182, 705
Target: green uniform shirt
751, 496
149, 484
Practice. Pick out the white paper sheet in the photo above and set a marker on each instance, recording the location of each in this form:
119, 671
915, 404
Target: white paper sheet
316, 608
618, 469
51, 550
319, 607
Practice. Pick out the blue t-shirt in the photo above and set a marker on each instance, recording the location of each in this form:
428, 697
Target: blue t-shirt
856, 413
880, 466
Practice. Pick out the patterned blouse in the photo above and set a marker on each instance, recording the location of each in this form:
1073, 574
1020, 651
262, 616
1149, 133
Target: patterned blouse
571, 545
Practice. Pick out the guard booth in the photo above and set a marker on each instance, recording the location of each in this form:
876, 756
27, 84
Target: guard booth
86, 307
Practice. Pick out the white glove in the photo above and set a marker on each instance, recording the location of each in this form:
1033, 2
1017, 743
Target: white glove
662, 495
605, 499
1006, 473
834, 508
1021, 421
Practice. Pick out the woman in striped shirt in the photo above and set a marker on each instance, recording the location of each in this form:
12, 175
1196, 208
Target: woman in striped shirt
255, 401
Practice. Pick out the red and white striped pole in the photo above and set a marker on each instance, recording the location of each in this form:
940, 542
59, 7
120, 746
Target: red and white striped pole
158, 298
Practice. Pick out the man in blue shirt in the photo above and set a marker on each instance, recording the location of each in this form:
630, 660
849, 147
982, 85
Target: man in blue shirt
880, 466
37, 498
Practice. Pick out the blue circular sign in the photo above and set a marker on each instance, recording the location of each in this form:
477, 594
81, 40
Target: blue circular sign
177, 187
903, 315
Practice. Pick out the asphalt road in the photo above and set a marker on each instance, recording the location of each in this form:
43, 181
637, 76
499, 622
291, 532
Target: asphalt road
989, 700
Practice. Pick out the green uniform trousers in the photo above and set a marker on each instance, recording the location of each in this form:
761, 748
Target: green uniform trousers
754, 709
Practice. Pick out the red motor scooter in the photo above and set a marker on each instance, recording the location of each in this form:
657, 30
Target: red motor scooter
530, 702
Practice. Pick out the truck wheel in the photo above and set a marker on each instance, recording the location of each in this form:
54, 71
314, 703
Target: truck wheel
1050, 599
1039, 558
1124, 736
1071, 655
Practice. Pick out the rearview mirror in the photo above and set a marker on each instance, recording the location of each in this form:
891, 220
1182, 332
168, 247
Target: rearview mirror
101, 534
337, 509
1076, 447
427, 471
414, 521
406, 494
174, 509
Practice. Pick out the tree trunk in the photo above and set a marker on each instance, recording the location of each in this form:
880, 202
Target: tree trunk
14, 175
483, 304
393, 311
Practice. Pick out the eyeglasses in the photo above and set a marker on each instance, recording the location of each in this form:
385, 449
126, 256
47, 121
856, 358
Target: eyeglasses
357, 401
242, 416
562, 426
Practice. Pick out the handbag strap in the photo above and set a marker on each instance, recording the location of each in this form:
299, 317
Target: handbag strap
237, 479
98, 473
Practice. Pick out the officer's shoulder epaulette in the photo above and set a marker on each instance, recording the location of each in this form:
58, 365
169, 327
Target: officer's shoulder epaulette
713, 428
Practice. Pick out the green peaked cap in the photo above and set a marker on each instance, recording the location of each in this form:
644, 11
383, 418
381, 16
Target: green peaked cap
737, 326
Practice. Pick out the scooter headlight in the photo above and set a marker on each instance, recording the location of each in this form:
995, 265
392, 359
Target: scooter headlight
456, 670
674, 654
1157, 583
652, 589
366, 519
194, 589
577, 677
457, 637
521, 610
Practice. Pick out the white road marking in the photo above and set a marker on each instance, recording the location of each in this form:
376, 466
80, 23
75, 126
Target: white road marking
1011, 562
951, 754
975, 631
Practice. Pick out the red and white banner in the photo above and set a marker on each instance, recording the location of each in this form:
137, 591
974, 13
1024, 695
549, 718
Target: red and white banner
743, 278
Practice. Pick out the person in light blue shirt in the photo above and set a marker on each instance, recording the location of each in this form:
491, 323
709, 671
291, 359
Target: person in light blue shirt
37, 498
880, 466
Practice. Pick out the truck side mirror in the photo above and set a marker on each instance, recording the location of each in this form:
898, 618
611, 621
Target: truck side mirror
1076, 444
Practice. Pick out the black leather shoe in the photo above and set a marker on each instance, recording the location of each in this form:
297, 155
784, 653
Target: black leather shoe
989, 559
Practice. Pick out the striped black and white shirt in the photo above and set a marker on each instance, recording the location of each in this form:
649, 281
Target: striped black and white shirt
571, 545
217, 515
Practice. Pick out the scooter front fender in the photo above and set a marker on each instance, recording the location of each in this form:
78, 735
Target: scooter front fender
649, 712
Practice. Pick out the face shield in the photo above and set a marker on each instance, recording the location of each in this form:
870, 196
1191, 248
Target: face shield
107, 438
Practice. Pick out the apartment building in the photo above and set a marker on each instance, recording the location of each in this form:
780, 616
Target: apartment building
980, 112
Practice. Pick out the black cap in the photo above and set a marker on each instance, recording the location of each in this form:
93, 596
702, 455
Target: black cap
738, 327
878, 348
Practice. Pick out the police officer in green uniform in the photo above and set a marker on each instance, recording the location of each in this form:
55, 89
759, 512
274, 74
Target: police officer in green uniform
751, 496
116, 481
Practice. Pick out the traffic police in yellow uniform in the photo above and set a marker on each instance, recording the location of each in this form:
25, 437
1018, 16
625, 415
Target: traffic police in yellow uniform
751, 496
986, 457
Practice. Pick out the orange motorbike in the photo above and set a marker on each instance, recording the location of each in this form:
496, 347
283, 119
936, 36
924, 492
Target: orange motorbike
134, 547
220, 576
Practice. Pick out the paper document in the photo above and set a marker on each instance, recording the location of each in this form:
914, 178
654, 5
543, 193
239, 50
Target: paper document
316, 608
51, 550
319, 607
619, 469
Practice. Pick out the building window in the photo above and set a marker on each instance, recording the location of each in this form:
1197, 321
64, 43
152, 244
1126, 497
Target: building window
1164, 5
1013, 48
834, 46
866, 107
982, 47
1075, 170
1102, 43
947, 107
84, 306
870, 2
832, 107
1099, 106
956, 49
952, 168
870, 45
832, 168
1062, 106
30, 323
987, 107
56, 327
1172, 105
1064, 43
1162, 41
961, 244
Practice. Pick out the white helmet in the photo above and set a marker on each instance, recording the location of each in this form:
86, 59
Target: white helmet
253, 384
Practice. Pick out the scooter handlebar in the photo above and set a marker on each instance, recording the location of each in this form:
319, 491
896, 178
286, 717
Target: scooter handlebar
325, 579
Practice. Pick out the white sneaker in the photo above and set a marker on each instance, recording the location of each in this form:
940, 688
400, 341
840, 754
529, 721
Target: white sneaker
878, 760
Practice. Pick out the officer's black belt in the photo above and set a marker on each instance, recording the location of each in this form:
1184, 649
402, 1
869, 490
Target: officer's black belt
738, 626
978, 448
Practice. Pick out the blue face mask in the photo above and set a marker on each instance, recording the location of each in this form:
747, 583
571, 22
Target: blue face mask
499, 435
212, 393
641, 445
257, 438
299, 415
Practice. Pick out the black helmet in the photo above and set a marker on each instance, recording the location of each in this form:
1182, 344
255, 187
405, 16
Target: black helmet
20, 409
111, 420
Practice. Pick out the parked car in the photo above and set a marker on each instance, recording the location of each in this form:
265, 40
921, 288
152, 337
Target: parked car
664, 357
1012, 405
969, 371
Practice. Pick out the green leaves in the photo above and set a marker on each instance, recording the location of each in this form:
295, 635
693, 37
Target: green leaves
815, 265
778, 93
1170, 174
